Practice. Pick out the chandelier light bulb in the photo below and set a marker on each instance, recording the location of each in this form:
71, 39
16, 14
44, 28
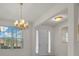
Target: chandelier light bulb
16, 23
22, 21
25, 25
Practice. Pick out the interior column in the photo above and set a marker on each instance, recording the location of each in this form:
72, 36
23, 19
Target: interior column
72, 28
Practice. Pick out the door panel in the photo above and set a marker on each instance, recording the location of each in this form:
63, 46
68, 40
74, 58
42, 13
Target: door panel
43, 42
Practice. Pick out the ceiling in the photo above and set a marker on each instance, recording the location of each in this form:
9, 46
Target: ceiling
50, 22
31, 11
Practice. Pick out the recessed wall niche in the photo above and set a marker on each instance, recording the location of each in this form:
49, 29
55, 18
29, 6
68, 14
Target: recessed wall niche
64, 34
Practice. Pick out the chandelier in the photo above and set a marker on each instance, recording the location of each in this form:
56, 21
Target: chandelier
21, 24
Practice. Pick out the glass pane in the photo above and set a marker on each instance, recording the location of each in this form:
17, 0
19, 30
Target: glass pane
14, 43
2, 31
19, 43
19, 33
8, 32
7, 43
1, 43
14, 32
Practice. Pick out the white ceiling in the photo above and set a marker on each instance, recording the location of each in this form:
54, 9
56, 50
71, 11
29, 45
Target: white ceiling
50, 22
31, 11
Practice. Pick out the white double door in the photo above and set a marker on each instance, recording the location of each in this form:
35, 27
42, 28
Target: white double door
42, 45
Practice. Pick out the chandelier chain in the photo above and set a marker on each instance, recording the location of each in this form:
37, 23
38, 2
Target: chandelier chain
21, 7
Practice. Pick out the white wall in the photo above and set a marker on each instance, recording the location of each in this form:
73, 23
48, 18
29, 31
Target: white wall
26, 50
60, 47
77, 43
